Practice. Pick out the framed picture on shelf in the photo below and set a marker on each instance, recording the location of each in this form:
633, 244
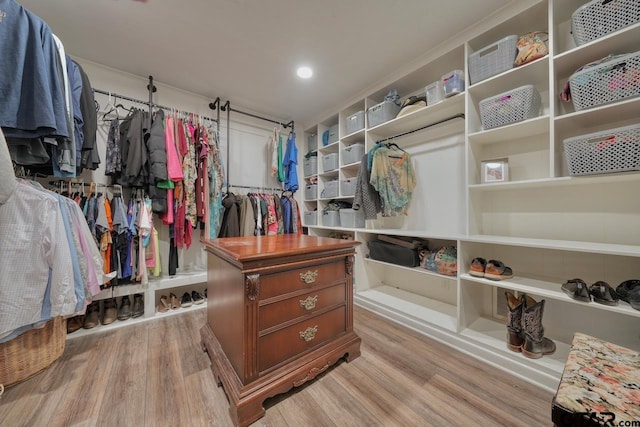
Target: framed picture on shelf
496, 170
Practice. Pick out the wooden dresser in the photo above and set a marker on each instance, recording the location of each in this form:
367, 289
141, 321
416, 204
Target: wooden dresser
279, 312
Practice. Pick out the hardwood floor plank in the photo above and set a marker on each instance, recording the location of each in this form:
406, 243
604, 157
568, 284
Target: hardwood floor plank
156, 374
124, 398
166, 403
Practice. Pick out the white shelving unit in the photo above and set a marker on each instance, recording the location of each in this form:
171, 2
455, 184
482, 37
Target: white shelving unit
152, 291
545, 224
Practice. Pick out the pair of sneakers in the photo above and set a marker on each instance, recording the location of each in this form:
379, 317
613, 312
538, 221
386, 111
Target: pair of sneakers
492, 269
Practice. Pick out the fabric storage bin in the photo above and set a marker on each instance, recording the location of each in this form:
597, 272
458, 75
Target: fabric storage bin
333, 134
351, 218
312, 142
310, 218
434, 92
330, 162
493, 59
611, 81
311, 191
614, 150
382, 112
348, 186
598, 18
310, 166
330, 190
331, 219
355, 122
510, 107
453, 83
352, 153
394, 254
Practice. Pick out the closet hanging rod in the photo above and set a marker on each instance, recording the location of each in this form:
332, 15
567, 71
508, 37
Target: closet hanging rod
227, 105
253, 187
153, 104
457, 116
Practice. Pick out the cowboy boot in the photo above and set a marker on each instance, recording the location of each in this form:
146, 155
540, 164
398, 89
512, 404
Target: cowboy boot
535, 343
515, 333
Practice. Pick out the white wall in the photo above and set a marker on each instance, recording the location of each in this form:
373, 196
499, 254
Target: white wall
248, 165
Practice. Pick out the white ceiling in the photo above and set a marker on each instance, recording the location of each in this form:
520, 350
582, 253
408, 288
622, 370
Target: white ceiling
247, 50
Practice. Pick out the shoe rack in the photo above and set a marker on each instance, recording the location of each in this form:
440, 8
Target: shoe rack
152, 291
546, 225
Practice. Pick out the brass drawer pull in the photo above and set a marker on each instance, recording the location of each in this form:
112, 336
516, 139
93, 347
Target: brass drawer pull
309, 333
309, 277
309, 303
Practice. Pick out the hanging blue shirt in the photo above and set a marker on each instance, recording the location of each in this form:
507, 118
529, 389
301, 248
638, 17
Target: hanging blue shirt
290, 163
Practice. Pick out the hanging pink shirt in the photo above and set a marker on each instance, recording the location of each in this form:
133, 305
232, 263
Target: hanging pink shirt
174, 165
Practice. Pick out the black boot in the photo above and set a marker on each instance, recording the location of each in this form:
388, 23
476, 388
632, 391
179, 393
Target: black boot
535, 343
515, 333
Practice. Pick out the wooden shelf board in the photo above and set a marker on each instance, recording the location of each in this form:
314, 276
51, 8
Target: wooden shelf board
492, 333
416, 306
549, 289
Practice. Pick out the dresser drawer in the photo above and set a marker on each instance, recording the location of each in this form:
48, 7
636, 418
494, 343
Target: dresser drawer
303, 305
288, 281
286, 343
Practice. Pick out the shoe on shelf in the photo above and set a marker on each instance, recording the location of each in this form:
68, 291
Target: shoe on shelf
163, 305
138, 306
603, 293
577, 289
629, 291
74, 323
175, 303
478, 266
197, 297
496, 270
186, 300
515, 333
91, 317
124, 312
110, 311
535, 343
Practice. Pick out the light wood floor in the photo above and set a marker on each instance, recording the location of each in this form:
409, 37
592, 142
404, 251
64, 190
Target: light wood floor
155, 374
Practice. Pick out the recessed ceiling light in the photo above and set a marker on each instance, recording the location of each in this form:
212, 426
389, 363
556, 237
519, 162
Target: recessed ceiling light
304, 72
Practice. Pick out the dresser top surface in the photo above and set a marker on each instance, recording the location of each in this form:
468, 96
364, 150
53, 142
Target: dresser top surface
259, 247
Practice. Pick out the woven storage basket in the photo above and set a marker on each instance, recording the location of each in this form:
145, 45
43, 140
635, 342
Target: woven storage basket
509, 107
493, 59
32, 352
614, 150
611, 81
599, 18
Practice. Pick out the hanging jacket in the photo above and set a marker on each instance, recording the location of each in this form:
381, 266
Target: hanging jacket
90, 156
156, 146
231, 218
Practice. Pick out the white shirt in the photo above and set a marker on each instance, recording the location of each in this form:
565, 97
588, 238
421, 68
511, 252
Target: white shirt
33, 244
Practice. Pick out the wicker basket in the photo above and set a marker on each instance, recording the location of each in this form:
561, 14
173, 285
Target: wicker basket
32, 352
513, 106
614, 150
611, 81
493, 59
599, 18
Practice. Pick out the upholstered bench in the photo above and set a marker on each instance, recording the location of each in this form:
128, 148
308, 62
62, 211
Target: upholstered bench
600, 385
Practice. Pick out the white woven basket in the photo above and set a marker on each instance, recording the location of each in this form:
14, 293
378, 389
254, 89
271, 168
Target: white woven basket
493, 59
601, 17
614, 150
510, 107
611, 81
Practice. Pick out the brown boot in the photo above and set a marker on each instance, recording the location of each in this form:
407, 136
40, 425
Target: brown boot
515, 333
535, 343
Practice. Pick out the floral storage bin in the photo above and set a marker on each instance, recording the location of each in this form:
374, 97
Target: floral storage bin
607, 81
510, 107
